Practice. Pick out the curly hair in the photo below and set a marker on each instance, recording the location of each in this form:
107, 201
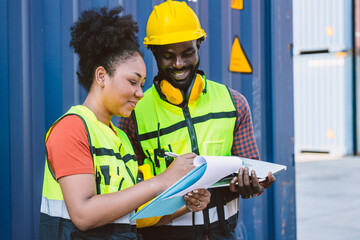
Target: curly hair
102, 38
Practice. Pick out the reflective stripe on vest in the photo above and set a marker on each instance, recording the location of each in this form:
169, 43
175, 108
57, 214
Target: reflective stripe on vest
230, 209
205, 126
57, 208
114, 161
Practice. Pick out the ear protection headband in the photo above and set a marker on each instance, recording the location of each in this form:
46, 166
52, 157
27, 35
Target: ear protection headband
177, 96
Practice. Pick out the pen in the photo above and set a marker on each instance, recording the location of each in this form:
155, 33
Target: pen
171, 154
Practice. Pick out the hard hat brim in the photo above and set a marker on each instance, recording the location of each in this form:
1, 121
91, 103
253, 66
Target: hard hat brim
177, 37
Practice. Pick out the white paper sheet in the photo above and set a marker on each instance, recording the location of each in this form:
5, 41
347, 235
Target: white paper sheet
218, 167
209, 170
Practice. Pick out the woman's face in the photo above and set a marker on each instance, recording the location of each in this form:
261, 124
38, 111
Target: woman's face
123, 90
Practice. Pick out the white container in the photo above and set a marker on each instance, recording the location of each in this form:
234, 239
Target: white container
323, 103
322, 25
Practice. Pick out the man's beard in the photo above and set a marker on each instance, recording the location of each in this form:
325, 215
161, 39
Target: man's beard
183, 84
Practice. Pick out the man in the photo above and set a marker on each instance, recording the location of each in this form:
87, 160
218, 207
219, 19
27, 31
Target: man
185, 112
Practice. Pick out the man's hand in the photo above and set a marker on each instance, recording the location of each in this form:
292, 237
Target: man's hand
270, 179
197, 200
248, 185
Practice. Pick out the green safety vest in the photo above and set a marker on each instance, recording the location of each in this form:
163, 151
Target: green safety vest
205, 126
115, 169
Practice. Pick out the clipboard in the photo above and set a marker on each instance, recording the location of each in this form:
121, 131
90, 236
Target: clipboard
208, 171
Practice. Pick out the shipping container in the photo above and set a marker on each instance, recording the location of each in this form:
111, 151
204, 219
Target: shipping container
39, 85
356, 72
322, 25
323, 103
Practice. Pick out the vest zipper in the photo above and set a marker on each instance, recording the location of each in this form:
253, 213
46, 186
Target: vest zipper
191, 129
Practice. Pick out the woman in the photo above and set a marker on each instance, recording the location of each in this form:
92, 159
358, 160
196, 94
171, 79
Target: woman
89, 187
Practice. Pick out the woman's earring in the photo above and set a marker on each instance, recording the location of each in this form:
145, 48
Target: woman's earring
101, 83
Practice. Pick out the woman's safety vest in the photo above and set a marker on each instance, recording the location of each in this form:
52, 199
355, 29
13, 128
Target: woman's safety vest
115, 169
204, 126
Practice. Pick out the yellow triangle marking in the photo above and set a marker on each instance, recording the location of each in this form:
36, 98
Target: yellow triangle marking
238, 60
237, 4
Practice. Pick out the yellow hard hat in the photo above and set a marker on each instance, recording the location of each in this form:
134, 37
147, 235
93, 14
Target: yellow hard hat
172, 22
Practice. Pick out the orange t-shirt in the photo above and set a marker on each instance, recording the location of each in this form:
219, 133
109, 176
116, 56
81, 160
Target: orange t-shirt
68, 148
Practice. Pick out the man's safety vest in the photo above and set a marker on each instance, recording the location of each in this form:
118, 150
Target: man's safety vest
205, 126
115, 169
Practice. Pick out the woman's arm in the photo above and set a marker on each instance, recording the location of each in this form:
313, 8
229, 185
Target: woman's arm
88, 210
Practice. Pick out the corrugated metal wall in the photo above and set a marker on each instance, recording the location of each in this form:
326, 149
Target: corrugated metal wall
39, 84
323, 76
357, 71
5, 198
322, 25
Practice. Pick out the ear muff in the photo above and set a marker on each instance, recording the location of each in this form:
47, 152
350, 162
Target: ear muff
196, 89
172, 94
176, 96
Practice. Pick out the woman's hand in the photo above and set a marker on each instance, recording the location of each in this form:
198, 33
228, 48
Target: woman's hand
178, 168
197, 199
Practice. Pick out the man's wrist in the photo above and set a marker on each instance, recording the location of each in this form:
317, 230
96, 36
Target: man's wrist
255, 195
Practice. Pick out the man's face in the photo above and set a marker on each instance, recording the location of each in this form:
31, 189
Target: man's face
178, 62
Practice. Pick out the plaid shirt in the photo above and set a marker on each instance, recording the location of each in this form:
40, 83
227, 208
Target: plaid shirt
244, 144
